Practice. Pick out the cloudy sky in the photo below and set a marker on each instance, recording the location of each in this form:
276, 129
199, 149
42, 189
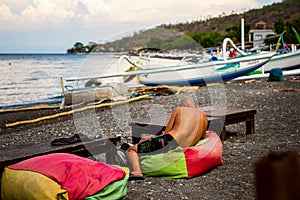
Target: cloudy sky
52, 26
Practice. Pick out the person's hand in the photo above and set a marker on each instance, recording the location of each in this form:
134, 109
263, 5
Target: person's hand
145, 138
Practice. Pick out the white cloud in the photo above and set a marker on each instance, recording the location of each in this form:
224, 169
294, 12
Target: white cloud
39, 14
55, 13
95, 20
5, 13
94, 7
171, 10
16, 5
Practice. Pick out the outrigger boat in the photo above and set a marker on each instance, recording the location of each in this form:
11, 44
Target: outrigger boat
191, 73
206, 72
287, 61
153, 72
285, 58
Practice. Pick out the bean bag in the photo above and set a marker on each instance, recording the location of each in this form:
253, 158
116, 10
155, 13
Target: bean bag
63, 176
185, 162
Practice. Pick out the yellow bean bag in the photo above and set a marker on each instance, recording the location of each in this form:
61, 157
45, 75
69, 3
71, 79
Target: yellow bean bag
63, 176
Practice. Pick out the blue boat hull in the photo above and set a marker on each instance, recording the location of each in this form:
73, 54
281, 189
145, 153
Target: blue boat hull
215, 78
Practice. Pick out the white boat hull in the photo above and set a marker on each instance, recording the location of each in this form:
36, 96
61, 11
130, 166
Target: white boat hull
204, 75
283, 61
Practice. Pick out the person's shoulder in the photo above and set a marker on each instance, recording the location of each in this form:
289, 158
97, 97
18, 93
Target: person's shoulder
201, 111
177, 108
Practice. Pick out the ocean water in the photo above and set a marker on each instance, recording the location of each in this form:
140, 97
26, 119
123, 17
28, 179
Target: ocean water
31, 78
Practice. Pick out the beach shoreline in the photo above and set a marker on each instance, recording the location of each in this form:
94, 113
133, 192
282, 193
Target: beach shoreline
277, 129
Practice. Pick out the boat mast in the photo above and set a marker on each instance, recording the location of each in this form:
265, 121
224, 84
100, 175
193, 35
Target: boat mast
243, 34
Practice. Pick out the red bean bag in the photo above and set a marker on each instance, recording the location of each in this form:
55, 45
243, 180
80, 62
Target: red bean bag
185, 162
62, 176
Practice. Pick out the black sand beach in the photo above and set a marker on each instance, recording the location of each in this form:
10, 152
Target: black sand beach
277, 129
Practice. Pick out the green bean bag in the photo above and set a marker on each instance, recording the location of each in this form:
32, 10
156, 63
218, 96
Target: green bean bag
185, 162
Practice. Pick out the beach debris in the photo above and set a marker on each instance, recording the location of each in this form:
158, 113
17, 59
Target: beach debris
162, 90
214, 84
64, 141
273, 85
35, 107
246, 82
250, 81
294, 80
287, 90
260, 93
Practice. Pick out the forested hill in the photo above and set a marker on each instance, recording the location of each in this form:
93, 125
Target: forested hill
288, 10
209, 32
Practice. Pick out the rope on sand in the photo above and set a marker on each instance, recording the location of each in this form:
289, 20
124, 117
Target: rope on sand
43, 106
76, 110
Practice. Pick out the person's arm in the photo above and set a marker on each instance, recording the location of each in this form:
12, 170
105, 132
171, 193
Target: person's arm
145, 138
205, 124
172, 120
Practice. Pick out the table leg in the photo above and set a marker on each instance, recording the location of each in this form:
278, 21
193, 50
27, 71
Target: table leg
223, 136
250, 128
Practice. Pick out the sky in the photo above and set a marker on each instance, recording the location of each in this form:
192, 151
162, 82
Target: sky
53, 26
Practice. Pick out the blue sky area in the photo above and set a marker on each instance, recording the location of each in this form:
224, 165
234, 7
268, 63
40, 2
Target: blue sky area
52, 26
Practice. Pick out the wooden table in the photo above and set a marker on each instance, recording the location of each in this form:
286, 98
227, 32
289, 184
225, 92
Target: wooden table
219, 116
232, 116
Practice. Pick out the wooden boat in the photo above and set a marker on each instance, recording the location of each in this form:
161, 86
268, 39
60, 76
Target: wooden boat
286, 58
286, 61
192, 73
266, 75
207, 72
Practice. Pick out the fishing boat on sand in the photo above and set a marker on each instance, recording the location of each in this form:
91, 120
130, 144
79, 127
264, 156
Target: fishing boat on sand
285, 58
286, 61
202, 72
189, 73
205, 72
180, 73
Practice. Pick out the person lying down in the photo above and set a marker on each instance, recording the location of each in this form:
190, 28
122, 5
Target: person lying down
186, 127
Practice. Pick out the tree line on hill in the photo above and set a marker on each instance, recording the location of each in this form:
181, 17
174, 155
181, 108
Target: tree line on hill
280, 17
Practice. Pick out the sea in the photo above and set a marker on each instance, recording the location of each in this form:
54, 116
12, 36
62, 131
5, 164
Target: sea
27, 79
